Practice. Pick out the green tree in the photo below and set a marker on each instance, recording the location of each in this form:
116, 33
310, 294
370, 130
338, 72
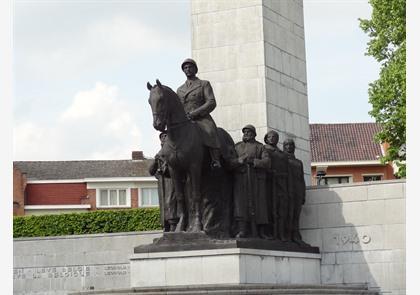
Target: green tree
387, 95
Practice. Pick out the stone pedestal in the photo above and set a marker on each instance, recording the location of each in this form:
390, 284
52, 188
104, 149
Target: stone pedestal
224, 266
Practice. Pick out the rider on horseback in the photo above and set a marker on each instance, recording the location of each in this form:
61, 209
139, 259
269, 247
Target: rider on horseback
198, 99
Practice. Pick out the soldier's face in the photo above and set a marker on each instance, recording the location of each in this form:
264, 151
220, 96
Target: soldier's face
162, 138
189, 70
289, 147
272, 139
248, 135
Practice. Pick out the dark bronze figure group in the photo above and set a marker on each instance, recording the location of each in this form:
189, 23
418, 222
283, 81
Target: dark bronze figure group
208, 183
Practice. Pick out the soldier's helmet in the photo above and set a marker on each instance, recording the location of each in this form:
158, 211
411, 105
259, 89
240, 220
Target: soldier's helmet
271, 132
250, 127
191, 61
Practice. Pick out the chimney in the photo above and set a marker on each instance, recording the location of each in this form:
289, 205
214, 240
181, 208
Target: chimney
137, 155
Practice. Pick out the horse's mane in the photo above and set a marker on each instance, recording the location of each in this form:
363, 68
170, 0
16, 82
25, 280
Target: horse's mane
171, 92
172, 96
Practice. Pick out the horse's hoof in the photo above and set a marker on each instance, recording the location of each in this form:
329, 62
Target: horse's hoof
195, 227
181, 225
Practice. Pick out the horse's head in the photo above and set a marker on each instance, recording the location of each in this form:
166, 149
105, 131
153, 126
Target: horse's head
158, 103
166, 107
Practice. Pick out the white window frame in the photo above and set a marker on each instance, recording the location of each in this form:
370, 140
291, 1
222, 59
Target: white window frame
127, 197
140, 194
382, 175
350, 176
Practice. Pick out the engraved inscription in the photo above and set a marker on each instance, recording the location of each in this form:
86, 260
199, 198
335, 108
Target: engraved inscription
116, 270
343, 239
78, 271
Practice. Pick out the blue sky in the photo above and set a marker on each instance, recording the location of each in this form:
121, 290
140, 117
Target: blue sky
81, 69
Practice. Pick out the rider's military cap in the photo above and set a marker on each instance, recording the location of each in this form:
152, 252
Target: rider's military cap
191, 61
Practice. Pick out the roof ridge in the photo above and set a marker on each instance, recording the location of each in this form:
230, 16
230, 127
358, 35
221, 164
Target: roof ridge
56, 161
349, 123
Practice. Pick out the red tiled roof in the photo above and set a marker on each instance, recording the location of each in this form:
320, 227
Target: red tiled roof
344, 142
52, 170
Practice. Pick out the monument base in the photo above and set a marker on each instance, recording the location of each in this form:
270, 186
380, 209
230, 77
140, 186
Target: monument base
185, 241
196, 259
224, 266
242, 289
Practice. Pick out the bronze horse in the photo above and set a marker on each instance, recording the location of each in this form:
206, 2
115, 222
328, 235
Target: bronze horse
184, 152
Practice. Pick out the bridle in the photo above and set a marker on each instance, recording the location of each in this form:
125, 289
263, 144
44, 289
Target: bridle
173, 125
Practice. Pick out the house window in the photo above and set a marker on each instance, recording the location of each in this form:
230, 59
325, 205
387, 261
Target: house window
326, 180
372, 177
113, 198
149, 197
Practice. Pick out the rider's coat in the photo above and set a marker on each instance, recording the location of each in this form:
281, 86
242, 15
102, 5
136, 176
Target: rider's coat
198, 99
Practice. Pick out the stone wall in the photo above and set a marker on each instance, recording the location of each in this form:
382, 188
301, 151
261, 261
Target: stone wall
58, 265
360, 229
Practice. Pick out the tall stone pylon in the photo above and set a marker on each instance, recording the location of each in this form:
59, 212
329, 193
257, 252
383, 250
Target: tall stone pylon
253, 53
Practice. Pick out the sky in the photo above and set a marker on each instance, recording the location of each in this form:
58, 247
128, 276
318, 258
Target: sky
81, 67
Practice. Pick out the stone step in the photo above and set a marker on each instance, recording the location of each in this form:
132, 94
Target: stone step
248, 289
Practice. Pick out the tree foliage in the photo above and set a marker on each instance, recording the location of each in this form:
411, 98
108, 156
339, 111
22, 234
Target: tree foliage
387, 95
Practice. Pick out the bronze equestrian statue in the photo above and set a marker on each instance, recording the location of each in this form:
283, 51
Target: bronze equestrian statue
185, 150
246, 190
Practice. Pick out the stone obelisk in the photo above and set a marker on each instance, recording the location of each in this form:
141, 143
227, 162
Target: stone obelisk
253, 53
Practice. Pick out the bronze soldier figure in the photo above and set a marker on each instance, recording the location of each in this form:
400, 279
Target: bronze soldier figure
278, 194
297, 190
250, 203
198, 99
166, 192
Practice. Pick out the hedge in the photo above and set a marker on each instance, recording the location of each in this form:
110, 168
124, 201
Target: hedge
106, 221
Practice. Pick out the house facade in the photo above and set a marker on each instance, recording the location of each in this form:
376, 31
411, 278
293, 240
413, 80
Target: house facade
345, 153
49, 187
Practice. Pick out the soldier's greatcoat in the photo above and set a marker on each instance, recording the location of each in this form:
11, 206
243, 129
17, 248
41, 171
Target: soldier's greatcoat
255, 151
297, 191
198, 99
279, 202
166, 191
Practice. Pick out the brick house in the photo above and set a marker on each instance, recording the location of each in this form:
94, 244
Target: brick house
347, 153
344, 152
19, 186
48, 187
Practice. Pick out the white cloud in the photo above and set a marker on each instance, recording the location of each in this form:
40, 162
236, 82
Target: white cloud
97, 125
103, 44
94, 102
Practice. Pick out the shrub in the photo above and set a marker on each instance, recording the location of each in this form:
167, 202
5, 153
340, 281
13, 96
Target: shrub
106, 221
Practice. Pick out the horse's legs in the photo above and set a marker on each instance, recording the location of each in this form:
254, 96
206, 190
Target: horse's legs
180, 200
195, 224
